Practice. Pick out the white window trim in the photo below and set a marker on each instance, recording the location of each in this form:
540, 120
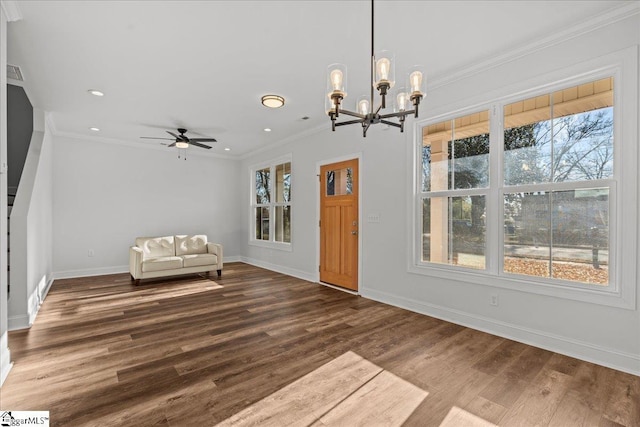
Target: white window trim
271, 244
621, 292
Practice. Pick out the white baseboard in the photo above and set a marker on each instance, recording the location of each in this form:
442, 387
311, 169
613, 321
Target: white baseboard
5, 358
46, 290
33, 306
18, 322
24, 321
100, 271
614, 359
310, 277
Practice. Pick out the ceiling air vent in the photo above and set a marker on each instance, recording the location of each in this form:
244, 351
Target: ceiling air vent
13, 72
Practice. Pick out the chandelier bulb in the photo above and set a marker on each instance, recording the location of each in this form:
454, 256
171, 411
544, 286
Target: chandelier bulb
336, 79
415, 80
401, 100
363, 107
383, 66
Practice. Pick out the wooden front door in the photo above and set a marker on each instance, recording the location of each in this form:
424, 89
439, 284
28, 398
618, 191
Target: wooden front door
339, 224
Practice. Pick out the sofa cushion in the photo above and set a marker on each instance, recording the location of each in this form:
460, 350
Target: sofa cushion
153, 247
188, 245
161, 263
197, 260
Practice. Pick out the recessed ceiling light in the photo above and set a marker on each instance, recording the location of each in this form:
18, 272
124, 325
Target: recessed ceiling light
267, 129
95, 92
95, 129
272, 101
227, 149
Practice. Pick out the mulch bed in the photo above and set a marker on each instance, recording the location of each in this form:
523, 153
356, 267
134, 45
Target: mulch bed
575, 272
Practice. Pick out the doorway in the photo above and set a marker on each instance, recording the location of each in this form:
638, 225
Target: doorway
339, 228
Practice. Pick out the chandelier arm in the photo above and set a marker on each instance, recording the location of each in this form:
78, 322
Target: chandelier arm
351, 113
386, 122
398, 114
348, 122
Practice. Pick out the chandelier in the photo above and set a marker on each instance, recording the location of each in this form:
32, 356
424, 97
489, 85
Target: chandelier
383, 79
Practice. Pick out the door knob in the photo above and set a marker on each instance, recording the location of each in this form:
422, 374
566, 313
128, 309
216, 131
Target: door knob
354, 232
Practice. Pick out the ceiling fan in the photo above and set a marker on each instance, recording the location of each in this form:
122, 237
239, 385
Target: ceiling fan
181, 141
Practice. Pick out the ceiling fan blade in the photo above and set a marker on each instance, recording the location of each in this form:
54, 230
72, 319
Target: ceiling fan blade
202, 140
172, 145
197, 144
174, 135
153, 137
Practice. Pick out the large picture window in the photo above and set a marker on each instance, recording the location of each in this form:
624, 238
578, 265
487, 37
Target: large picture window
525, 193
558, 170
271, 203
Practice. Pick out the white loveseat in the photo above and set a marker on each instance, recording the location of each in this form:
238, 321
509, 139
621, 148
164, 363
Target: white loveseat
172, 255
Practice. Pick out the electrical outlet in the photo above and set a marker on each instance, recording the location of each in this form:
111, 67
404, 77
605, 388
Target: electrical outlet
494, 300
90, 253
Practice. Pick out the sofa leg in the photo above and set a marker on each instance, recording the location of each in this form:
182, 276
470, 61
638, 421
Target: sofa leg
219, 273
137, 282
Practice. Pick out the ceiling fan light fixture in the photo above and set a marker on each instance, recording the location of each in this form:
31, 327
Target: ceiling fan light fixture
182, 144
272, 101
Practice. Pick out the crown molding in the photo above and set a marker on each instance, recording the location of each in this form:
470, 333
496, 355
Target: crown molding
51, 125
611, 17
114, 141
622, 12
11, 10
284, 141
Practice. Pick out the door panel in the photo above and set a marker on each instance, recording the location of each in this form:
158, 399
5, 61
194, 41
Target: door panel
339, 224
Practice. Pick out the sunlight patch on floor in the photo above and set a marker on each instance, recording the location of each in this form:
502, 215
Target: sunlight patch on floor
349, 390
459, 417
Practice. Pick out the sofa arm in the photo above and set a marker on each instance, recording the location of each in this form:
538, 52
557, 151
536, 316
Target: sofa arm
135, 262
216, 249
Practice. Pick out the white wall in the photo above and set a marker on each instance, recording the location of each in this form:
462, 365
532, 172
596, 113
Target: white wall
599, 333
31, 230
106, 195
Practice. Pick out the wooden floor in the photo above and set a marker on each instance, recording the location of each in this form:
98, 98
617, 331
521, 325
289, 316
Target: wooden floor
258, 347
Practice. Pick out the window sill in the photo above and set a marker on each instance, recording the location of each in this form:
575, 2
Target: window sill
590, 294
287, 247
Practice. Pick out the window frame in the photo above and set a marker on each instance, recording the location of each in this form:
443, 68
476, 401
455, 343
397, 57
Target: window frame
622, 213
272, 205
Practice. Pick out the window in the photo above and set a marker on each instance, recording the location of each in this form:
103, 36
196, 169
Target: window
558, 170
271, 204
523, 191
455, 178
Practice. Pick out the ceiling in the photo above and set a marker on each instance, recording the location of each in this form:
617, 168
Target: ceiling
204, 65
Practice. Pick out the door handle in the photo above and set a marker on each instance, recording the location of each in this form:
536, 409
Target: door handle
354, 232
